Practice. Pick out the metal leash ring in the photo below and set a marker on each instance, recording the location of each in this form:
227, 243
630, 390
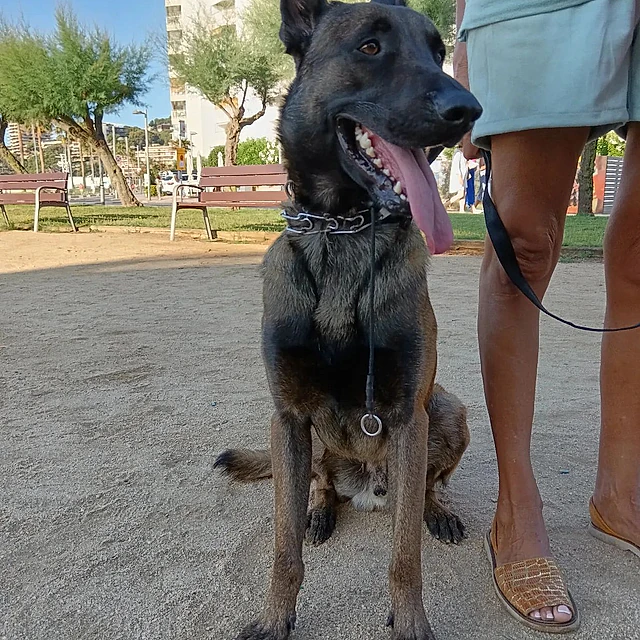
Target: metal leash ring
374, 417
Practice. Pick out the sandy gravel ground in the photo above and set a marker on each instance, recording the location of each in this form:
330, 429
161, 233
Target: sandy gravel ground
127, 362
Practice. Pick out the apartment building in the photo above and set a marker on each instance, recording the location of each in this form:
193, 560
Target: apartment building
193, 117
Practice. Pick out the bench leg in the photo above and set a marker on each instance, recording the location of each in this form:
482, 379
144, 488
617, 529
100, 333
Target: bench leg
4, 215
71, 220
174, 212
36, 215
212, 235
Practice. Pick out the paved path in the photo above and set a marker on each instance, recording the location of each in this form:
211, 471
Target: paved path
127, 362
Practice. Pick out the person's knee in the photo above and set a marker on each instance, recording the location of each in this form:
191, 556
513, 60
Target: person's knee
622, 254
536, 249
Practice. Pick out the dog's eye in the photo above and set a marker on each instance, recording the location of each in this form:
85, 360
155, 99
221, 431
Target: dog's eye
370, 48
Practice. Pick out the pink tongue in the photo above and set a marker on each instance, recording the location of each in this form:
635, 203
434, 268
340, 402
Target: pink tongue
411, 167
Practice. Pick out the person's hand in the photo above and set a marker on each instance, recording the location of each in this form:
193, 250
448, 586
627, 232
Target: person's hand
461, 74
469, 150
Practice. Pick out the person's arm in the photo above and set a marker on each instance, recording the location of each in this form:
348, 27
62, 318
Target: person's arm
461, 74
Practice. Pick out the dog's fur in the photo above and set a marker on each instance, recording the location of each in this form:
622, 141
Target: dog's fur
365, 483
316, 308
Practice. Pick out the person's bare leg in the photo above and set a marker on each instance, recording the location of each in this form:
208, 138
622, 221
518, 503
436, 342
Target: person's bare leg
617, 493
531, 196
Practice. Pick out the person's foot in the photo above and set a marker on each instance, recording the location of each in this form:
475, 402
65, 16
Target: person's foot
622, 515
520, 534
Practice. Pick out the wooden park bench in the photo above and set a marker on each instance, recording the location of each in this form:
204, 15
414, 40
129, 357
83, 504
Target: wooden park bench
218, 187
39, 189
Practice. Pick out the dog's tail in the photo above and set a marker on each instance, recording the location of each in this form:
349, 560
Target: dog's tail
245, 465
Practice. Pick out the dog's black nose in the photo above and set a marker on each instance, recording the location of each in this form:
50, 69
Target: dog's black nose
457, 106
380, 491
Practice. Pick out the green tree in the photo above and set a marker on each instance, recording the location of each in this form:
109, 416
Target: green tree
72, 78
226, 68
611, 144
442, 13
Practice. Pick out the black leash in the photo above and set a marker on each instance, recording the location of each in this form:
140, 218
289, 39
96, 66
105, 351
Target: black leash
371, 416
507, 257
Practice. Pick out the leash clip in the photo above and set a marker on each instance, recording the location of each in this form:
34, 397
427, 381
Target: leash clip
373, 418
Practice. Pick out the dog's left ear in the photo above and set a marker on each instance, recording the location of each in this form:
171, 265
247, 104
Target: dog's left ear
299, 19
397, 3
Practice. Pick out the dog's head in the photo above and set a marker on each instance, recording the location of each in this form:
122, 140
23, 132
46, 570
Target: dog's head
368, 97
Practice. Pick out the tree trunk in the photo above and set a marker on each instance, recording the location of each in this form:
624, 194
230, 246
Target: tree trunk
95, 141
231, 143
5, 154
40, 149
585, 179
116, 176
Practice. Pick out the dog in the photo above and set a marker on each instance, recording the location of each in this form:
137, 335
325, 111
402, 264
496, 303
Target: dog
337, 479
369, 95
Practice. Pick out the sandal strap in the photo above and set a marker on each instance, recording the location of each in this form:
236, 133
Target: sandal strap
533, 584
596, 520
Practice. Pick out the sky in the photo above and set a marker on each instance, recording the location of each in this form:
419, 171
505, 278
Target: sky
126, 20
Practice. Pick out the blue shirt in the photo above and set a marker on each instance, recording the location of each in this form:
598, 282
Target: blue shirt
480, 13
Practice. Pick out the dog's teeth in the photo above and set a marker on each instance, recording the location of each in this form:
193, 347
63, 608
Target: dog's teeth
371, 152
386, 172
397, 187
365, 143
403, 197
378, 163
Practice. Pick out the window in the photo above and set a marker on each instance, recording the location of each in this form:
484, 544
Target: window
174, 15
174, 37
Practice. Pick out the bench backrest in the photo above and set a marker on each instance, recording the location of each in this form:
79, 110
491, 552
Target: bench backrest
14, 186
260, 175
253, 175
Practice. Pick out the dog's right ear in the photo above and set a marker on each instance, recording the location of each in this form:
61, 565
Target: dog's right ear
299, 19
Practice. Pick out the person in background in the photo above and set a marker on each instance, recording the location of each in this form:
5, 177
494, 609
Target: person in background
550, 76
458, 179
470, 190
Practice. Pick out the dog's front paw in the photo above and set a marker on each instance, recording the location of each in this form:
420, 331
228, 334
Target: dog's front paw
410, 626
268, 630
442, 524
322, 523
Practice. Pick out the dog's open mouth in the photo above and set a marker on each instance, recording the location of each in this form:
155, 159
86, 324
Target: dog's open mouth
398, 179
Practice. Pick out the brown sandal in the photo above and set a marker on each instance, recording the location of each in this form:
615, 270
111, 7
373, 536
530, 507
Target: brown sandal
598, 528
532, 584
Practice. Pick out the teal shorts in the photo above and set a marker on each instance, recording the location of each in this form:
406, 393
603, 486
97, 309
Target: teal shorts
575, 67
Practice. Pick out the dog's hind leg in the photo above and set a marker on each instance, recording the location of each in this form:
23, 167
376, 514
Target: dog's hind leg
324, 503
291, 456
448, 440
407, 462
442, 523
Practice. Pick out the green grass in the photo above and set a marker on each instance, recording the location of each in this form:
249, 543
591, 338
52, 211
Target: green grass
580, 231
54, 219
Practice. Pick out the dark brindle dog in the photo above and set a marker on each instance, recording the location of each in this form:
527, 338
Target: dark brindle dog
368, 96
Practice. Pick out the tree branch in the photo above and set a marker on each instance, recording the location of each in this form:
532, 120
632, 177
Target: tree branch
244, 94
245, 122
221, 106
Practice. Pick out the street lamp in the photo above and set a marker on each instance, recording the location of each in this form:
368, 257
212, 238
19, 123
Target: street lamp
139, 112
193, 155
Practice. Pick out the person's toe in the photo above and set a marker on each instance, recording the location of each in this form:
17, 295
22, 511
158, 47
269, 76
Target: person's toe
562, 613
535, 615
547, 614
